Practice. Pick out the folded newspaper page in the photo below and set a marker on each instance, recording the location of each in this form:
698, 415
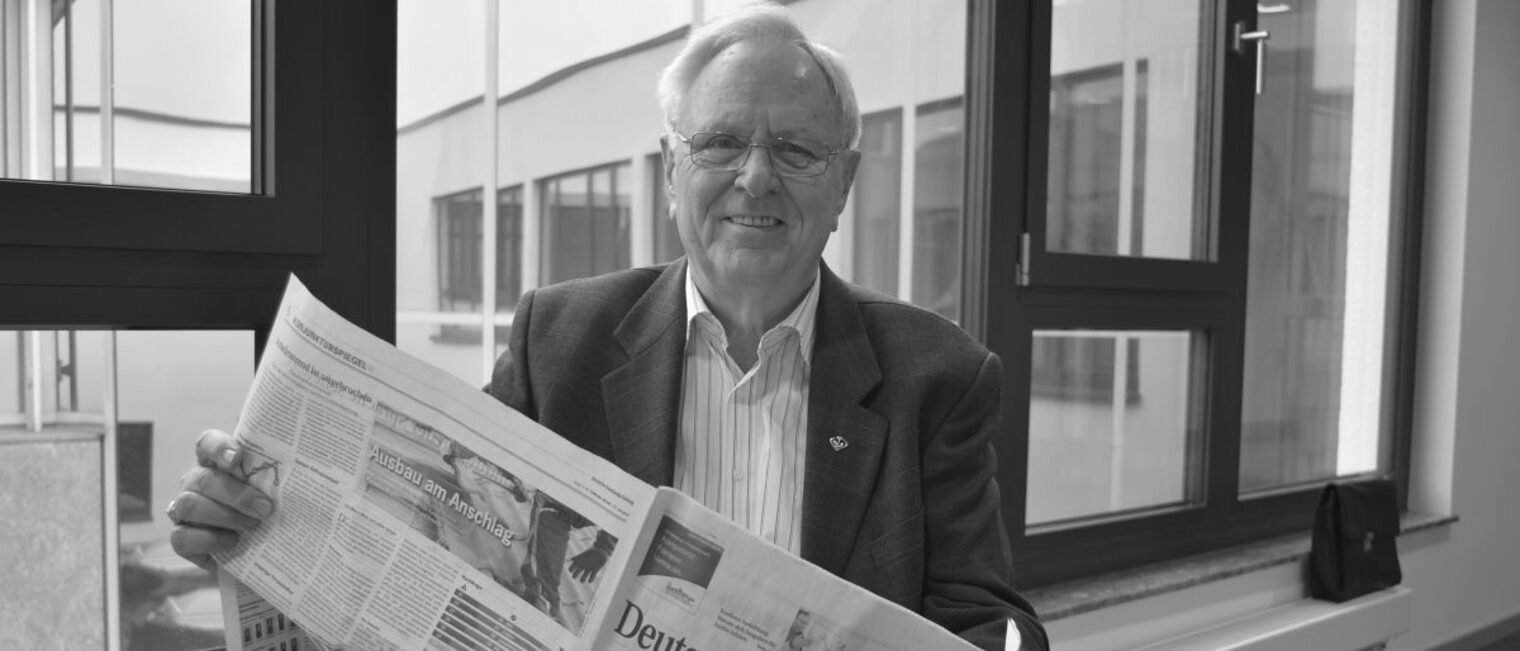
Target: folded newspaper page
414, 511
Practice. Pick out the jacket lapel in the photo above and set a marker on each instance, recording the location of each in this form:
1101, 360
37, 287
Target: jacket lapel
844, 439
643, 397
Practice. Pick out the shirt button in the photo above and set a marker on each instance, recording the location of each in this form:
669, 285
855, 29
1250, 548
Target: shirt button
738, 475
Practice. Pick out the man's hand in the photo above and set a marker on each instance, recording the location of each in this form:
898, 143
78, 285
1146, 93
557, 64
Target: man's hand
587, 564
215, 505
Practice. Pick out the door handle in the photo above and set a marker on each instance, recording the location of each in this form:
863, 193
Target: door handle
1238, 38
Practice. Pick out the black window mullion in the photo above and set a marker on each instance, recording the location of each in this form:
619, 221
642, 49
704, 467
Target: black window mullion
1234, 120
1002, 49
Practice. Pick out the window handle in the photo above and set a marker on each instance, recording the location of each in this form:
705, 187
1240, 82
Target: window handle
1238, 46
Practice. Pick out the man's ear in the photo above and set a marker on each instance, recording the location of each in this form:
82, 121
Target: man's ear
668, 161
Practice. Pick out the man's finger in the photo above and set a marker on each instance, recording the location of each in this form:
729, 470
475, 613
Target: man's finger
195, 544
197, 510
216, 449
230, 491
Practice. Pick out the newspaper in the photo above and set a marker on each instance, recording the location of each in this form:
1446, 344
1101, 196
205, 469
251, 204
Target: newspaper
414, 511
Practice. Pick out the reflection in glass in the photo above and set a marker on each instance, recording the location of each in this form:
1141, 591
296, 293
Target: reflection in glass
1126, 101
1320, 211
1109, 424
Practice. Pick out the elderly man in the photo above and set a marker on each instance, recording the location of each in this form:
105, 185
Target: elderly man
847, 427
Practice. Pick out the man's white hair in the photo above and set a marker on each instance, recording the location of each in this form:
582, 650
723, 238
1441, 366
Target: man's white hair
760, 22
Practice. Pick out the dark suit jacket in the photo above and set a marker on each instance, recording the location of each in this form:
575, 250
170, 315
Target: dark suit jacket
908, 510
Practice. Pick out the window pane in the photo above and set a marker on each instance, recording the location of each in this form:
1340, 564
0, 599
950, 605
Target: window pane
878, 197
170, 387
180, 99
183, 93
1320, 224
509, 213
1109, 424
1127, 104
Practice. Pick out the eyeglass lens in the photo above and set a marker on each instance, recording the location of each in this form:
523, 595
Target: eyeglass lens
788, 156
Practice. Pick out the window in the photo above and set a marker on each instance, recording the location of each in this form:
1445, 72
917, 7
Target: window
1199, 323
877, 200
929, 274
509, 245
459, 227
146, 395
938, 196
585, 223
1088, 140
667, 240
193, 247
460, 222
127, 123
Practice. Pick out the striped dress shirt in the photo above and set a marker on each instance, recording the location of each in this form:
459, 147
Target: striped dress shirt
741, 448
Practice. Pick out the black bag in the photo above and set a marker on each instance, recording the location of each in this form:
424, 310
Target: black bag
1352, 551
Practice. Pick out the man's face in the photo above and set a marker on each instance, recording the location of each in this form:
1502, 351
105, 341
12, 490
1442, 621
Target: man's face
753, 227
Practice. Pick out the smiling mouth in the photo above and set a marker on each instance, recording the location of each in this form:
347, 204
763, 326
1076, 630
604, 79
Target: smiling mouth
755, 221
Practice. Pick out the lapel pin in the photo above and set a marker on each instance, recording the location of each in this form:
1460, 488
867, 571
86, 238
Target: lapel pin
838, 442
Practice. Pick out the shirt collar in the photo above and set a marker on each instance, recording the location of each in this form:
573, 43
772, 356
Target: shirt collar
802, 318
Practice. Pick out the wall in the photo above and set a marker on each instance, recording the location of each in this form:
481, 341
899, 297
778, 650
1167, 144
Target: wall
1467, 578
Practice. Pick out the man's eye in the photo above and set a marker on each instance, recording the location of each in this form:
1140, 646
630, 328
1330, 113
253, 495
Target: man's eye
723, 142
793, 150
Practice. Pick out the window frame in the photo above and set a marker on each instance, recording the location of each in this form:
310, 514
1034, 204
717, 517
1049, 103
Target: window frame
1008, 126
75, 255
266, 220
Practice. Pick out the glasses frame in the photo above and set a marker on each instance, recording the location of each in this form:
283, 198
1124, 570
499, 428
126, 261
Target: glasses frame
739, 161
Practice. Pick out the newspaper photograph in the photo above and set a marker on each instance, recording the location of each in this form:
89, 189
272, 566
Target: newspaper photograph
703, 582
413, 511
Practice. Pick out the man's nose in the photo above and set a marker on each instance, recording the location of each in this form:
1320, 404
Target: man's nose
757, 176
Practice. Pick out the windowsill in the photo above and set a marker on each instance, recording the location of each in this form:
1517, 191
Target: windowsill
1060, 600
51, 434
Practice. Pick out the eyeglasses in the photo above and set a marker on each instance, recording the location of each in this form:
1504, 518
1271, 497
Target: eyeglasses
794, 157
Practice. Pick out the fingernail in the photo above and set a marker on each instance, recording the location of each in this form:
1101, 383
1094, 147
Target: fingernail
228, 455
263, 507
